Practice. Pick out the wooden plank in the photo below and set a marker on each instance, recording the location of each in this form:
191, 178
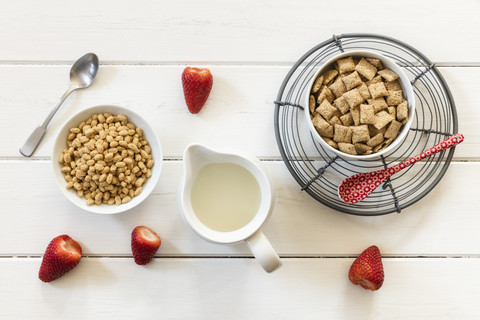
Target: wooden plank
240, 106
239, 288
466, 100
209, 30
443, 223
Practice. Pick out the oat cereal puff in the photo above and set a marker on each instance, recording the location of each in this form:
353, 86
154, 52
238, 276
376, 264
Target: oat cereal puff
323, 128
367, 114
382, 119
355, 112
346, 65
342, 134
393, 129
393, 86
325, 93
337, 87
326, 109
377, 79
329, 75
311, 103
378, 104
375, 140
342, 105
377, 90
376, 63
317, 84
347, 119
347, 148
388, 75
330, 142
392, 111
362, 148
352, 80
402, 111
366, 69
334, 120
394, 98
353, 98
363, 89
374, 131
383, 145
360, 134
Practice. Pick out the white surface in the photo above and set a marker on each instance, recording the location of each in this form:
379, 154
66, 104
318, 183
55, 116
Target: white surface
431, 250
103, 288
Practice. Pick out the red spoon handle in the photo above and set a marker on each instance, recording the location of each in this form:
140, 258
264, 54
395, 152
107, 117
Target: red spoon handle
445, 144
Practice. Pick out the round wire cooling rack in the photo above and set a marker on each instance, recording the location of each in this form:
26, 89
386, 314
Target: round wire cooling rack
319, 172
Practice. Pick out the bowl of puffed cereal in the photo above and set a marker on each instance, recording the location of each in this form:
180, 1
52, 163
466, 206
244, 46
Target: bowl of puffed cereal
360, 105
106, 159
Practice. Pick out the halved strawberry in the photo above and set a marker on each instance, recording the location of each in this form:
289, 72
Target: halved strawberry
197, 84
145, 244
62, 255
367, 269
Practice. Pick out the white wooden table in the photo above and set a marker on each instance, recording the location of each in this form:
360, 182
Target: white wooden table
431, 251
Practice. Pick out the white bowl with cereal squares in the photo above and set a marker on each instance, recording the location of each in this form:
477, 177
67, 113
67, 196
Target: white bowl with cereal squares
359, 105
106, 159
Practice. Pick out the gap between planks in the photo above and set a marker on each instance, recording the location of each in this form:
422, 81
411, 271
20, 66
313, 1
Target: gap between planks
283, 257
445, 64
175, 159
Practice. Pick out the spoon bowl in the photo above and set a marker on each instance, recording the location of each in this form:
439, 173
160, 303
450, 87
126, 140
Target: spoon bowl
84, 71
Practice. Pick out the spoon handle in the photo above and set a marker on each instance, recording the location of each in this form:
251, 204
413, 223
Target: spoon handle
36, 136
55, 109
445, 144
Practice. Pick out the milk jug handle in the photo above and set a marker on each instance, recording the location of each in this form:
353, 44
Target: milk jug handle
263, 251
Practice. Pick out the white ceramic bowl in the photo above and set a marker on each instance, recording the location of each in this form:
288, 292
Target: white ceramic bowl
61, 143
407, 93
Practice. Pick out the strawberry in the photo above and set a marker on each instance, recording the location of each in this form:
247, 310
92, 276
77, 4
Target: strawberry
62, 255
197, 84
367, 269
145, 244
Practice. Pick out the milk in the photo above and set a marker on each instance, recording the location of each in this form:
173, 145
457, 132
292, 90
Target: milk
225, 196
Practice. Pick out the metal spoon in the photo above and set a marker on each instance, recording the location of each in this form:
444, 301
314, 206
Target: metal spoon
82, 74
357, 187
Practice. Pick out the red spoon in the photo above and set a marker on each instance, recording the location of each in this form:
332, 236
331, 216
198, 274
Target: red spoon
357, 187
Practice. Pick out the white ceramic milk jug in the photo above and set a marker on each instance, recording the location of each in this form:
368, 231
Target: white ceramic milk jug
226, 198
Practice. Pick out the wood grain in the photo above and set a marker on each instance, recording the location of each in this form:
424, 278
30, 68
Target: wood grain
216, 31
239, 289
430, 250
299, 226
